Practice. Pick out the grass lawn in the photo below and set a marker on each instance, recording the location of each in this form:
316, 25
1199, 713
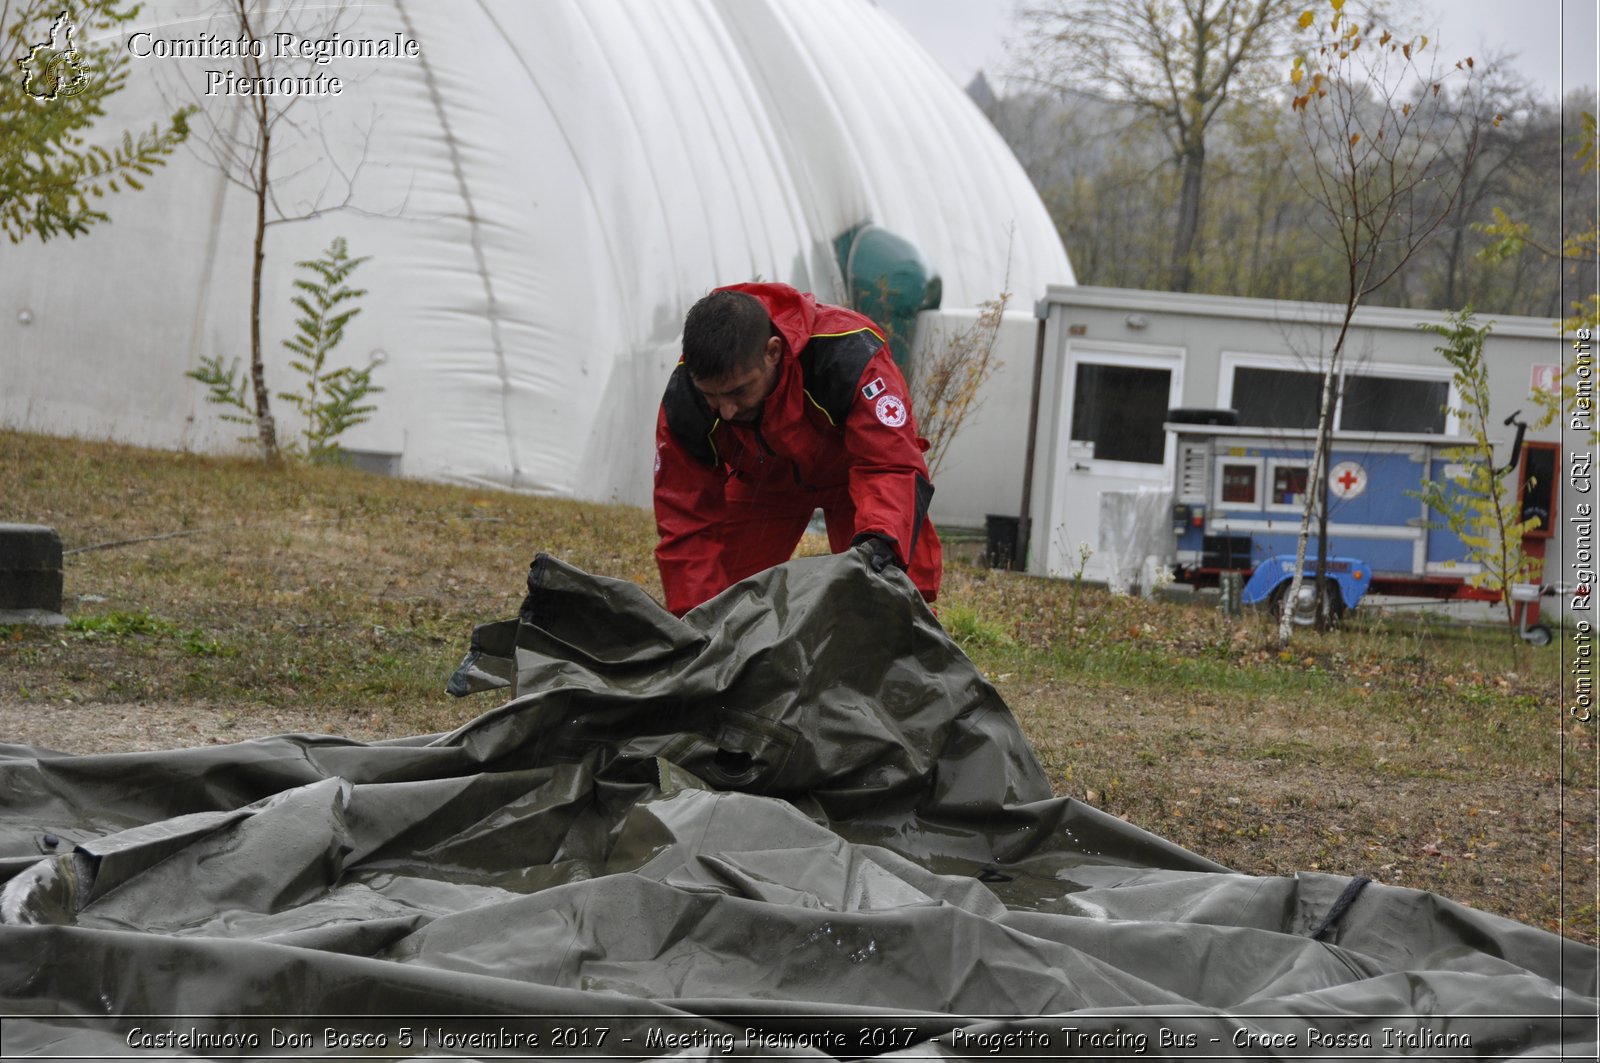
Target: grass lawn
213, 599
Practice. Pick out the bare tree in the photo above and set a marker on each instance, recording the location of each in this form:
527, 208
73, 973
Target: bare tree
1488, 167
1177, 63
952, 370
250, 119
1387, 151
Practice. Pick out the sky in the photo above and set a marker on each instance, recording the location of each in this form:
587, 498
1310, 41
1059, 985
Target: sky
964, 36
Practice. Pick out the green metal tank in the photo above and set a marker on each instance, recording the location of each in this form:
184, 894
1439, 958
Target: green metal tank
890, 281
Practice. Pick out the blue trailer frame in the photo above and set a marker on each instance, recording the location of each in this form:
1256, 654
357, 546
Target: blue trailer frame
1350, 575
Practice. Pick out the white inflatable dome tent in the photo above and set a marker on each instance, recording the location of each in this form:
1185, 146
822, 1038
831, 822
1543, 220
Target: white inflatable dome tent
543, 189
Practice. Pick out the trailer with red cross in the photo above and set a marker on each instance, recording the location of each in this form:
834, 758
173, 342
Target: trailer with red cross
1239, 493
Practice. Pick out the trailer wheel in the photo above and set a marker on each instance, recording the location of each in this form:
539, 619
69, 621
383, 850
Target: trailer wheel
1538, 635
1305, 611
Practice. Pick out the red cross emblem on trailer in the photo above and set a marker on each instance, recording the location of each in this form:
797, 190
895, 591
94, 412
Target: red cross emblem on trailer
1347, 479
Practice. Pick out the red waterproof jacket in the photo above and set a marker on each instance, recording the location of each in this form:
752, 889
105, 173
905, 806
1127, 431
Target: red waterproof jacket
836, 433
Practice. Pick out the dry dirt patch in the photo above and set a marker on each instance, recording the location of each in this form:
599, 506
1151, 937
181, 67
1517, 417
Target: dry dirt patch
101, 727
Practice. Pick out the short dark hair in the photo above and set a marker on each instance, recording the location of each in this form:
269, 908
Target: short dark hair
723, 333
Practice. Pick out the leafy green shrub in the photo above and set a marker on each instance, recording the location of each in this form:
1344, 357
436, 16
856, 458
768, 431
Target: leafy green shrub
331, 401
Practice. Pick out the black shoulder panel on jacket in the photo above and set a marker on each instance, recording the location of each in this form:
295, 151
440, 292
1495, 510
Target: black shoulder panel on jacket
831, 368
688, 417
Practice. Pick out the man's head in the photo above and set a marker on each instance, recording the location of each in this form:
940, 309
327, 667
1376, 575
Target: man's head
732, 354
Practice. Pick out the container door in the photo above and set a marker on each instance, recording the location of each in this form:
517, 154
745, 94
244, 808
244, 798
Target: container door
1115, 399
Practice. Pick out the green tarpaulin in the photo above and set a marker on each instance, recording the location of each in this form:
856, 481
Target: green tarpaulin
797, 822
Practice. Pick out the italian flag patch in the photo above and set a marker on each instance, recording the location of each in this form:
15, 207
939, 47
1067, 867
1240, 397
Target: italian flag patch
874, 389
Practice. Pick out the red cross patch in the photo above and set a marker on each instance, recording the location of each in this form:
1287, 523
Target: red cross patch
891, 410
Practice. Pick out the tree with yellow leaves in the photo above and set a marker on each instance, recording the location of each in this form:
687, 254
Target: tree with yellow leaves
1478, 500
1374, 125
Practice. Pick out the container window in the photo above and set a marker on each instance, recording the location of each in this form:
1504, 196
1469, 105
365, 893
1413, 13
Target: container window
1241, 484
1292, 398
1289, 485
1394, 404
1121, 410
1276, 398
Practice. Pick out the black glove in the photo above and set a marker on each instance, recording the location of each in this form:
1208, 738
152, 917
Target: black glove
877, 550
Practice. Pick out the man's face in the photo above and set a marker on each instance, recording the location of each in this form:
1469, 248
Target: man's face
738, 396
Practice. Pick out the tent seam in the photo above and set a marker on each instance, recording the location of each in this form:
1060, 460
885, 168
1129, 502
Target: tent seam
708, 224
612, 256
475, 240
626, 290
786, 155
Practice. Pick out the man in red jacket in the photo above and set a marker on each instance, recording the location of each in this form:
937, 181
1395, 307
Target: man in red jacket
781, 406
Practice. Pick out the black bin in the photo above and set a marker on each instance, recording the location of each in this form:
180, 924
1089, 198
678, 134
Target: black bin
30, 568
1000, 535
